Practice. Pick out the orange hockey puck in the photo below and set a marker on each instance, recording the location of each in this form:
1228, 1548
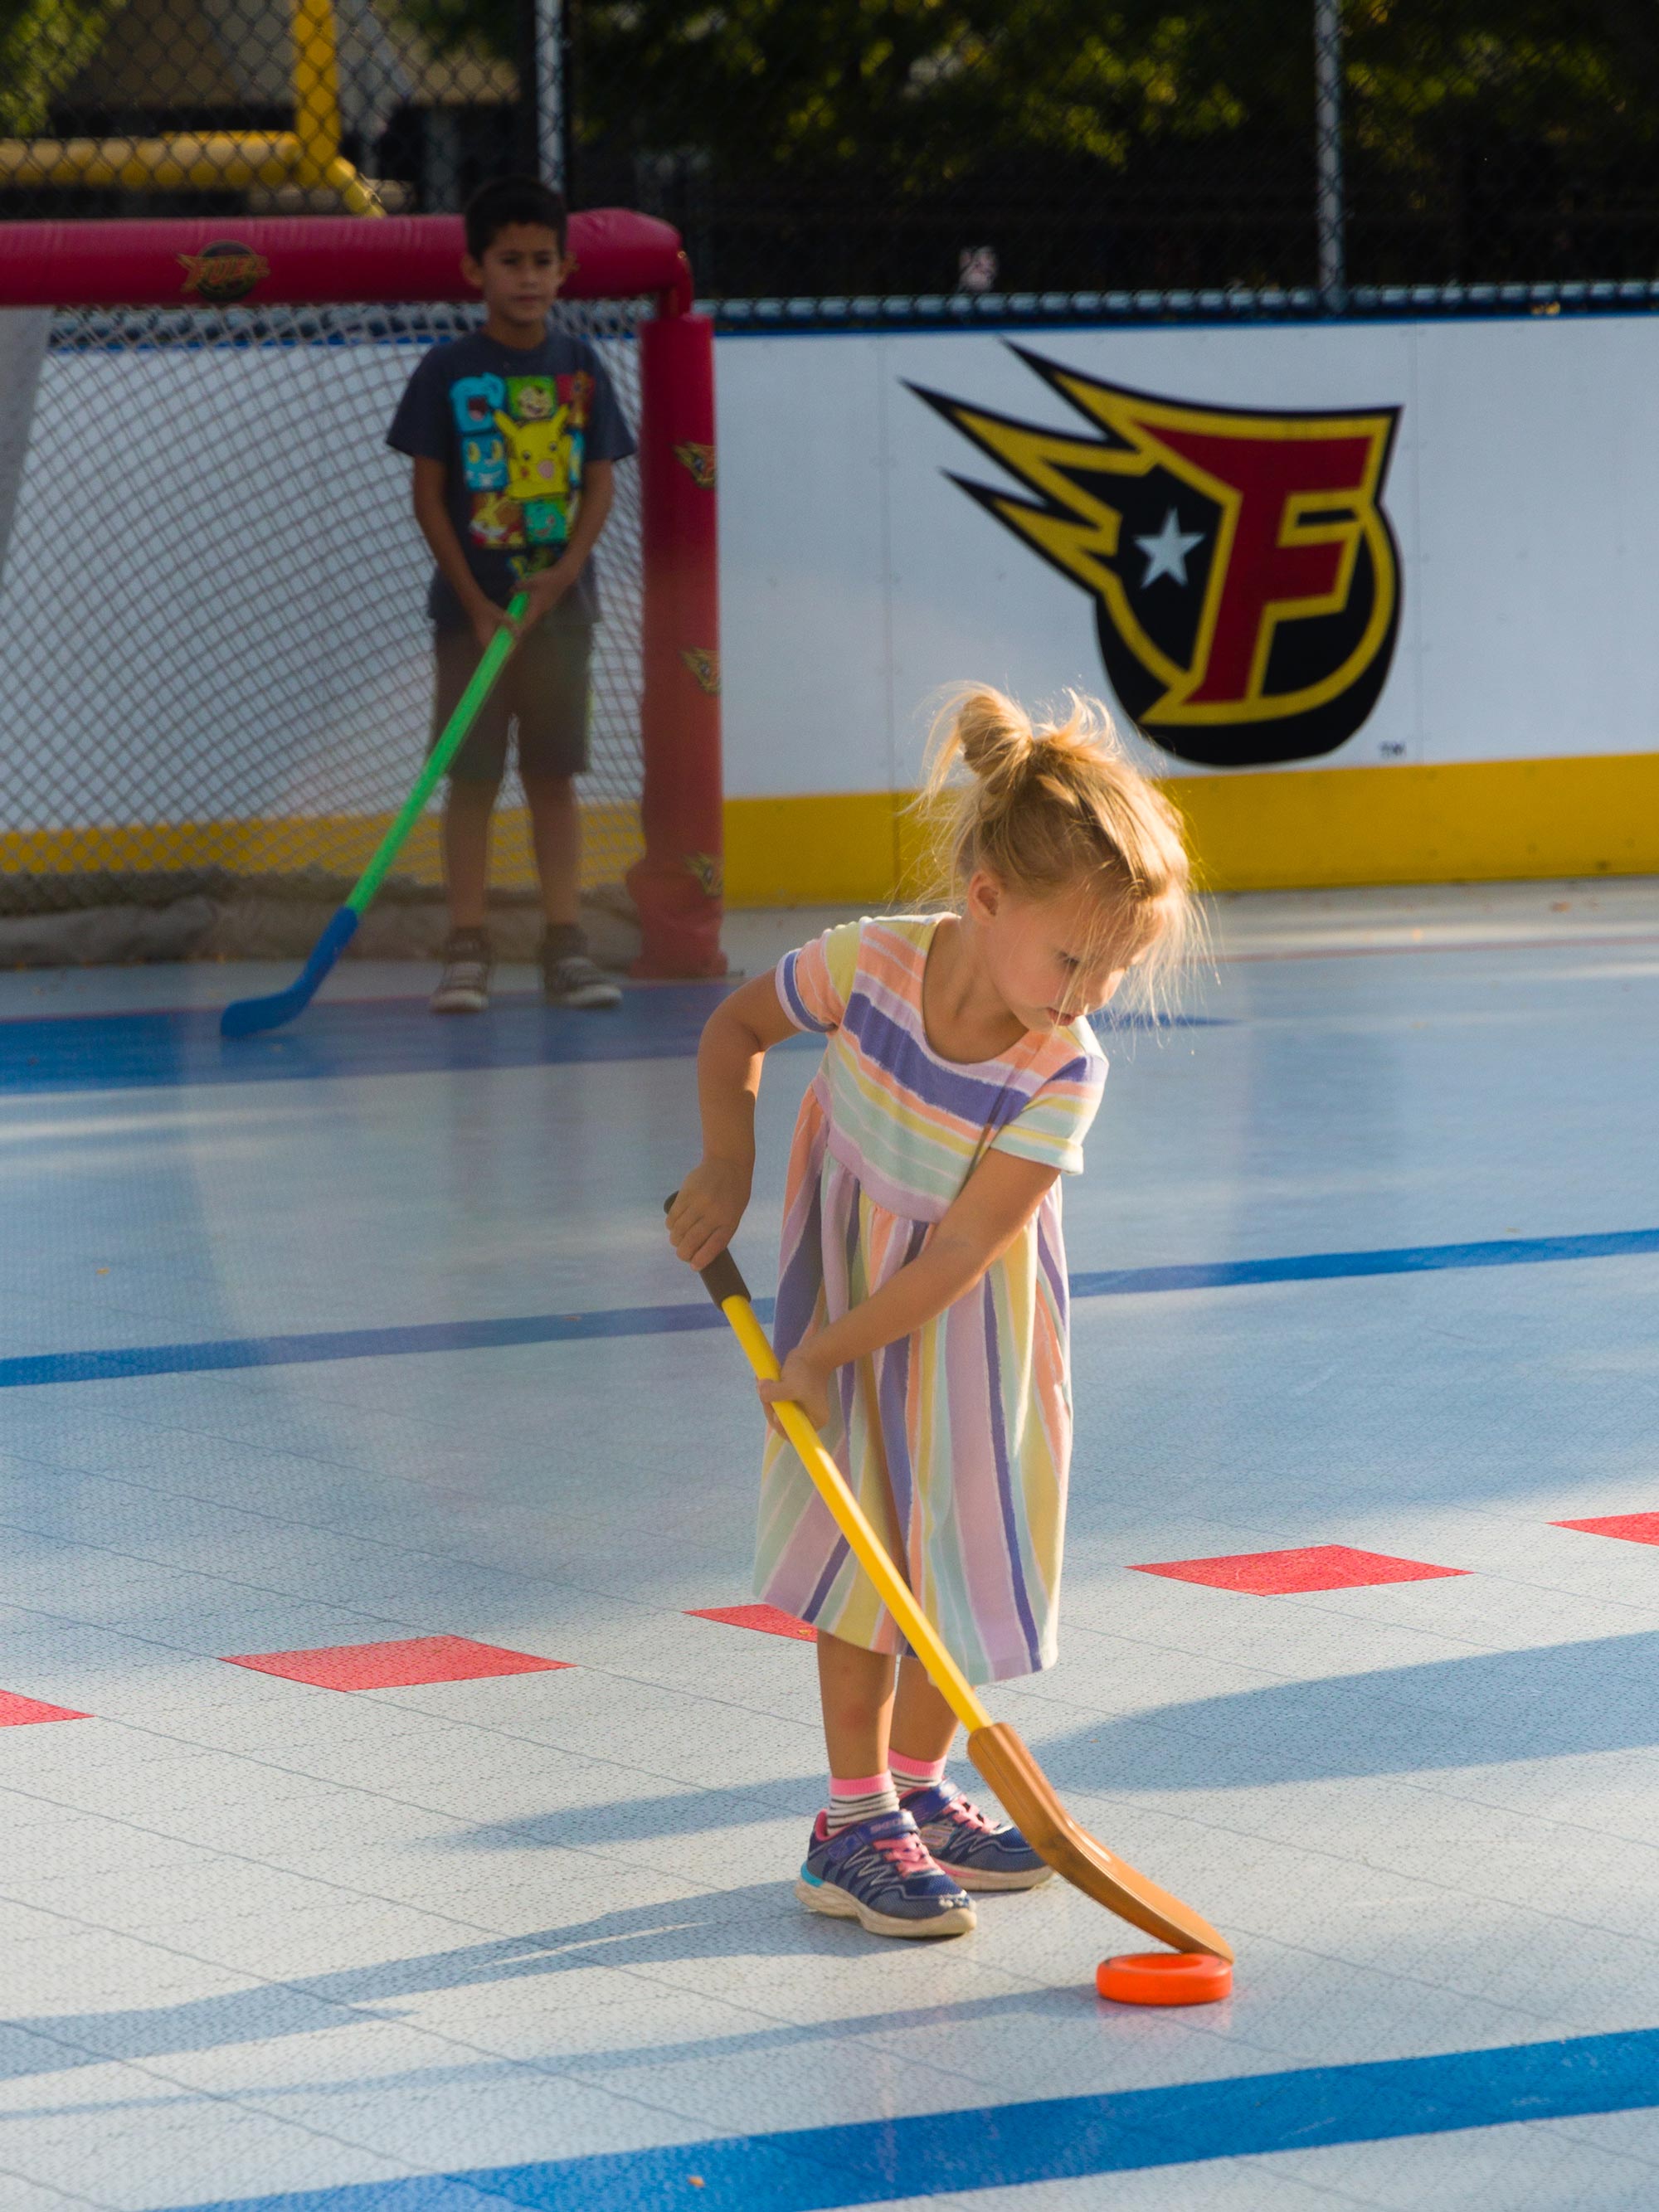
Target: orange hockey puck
1164, 1978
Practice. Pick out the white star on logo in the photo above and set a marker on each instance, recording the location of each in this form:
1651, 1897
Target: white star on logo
1166, 553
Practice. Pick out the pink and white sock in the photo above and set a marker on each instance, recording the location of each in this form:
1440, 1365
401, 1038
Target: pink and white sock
910, 1774
859, 1797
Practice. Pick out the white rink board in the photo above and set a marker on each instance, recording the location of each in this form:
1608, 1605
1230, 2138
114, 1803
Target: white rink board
1524, 493
857, 577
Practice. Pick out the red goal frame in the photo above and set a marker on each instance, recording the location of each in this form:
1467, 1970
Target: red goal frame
315, 261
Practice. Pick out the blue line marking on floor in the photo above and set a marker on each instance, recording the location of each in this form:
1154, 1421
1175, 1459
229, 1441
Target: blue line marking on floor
303, 1351
1058, 2139
383, 1037
335, 1038
1401, 1259
128, 1361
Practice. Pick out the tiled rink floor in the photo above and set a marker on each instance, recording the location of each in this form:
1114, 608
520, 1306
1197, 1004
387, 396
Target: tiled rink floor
528, 1938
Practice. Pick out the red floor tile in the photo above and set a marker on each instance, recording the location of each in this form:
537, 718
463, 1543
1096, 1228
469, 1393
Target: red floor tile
400, 1666
22, 1712
766, 1618
1312, 1567
1632, 1527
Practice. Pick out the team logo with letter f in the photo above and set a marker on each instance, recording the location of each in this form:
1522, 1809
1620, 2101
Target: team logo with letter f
1245, 578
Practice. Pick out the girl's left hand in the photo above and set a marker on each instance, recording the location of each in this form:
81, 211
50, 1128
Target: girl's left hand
804, 1380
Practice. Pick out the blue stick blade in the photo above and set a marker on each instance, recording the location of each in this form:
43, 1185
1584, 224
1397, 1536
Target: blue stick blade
247, 1016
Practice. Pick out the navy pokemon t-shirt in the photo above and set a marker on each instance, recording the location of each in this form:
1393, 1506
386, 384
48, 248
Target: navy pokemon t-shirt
514, 429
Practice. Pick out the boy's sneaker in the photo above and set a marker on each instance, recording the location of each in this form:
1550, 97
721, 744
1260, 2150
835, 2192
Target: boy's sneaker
878, 1873
981, 1853
463, 987
569, 978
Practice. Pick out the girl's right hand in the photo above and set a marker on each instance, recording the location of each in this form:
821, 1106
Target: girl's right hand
704, 1217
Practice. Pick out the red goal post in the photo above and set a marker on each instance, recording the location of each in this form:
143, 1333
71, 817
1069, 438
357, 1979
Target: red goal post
300, 263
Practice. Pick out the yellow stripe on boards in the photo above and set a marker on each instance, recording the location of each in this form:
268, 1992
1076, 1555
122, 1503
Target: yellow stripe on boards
339, 845
1470, 821
1473, 820
833, 850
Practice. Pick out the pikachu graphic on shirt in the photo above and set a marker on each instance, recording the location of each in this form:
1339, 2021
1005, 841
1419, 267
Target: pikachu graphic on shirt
535, 430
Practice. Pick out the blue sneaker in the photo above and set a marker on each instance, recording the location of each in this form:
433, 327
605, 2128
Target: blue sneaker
981, 1853
879, 1873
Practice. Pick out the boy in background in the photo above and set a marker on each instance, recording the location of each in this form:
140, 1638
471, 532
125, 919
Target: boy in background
514, 431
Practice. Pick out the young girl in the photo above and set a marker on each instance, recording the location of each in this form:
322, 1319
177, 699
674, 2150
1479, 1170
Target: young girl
921, 1315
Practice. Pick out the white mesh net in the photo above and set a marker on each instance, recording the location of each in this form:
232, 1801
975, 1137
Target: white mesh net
216, 665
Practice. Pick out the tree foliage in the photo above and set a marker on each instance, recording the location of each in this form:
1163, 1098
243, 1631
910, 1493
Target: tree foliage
922, 89
44, 45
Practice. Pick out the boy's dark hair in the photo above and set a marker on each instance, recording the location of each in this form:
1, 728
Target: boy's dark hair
506, 200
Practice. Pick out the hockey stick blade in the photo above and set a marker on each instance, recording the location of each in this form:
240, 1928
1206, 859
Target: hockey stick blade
247, 1016
1027, 1796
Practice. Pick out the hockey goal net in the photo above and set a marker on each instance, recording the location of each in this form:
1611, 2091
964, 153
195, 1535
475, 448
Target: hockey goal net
215, 663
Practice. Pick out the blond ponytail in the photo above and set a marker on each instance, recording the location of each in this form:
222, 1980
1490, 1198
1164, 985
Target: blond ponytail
1048, 808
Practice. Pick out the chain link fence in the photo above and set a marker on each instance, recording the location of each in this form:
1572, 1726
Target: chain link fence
156, 108
877, 160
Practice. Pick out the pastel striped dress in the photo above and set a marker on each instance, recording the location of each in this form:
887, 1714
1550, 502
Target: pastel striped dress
957, 1439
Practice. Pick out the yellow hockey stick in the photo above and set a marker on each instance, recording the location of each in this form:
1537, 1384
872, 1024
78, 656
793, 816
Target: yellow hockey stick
1025, 1792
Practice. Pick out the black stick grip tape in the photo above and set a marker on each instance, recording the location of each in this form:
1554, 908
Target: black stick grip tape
722, 1279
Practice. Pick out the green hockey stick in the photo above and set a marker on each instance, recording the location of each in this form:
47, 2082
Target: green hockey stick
247, 1016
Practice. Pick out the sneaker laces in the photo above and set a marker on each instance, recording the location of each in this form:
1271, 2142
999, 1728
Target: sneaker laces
966, 1814
466, 948
906, 1854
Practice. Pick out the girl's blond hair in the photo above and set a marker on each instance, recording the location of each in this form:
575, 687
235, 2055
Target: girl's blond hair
1054, 806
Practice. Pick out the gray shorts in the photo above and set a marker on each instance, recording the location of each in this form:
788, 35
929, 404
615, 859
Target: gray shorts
542, 693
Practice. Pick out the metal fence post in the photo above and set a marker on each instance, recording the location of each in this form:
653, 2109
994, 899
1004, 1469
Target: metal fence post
550, 94
1331, 222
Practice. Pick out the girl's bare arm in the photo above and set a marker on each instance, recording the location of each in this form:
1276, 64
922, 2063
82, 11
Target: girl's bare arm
736, 1039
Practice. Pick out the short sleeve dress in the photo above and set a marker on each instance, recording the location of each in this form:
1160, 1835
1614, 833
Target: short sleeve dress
957, 1440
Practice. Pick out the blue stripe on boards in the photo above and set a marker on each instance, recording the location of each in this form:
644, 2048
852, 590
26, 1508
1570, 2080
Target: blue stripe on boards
662, 1321
340, 1038
1058, 2139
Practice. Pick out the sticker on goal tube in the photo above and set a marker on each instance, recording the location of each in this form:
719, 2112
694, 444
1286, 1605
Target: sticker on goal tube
222, 271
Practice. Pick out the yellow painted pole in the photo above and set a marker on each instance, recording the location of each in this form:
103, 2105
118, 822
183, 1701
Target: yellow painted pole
308, 154
895, 1592
316, 90
229, 161
316, 109
355, 190
209, 161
